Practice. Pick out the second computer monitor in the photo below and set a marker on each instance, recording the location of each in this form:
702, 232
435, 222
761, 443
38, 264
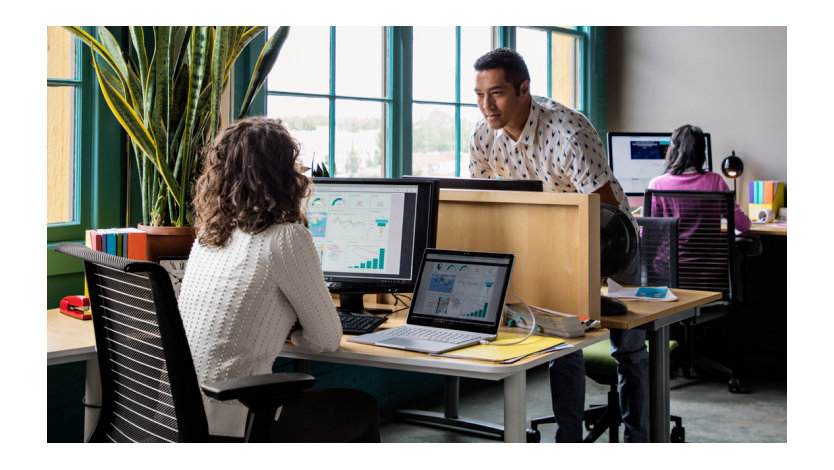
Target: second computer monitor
370, 233
637, 157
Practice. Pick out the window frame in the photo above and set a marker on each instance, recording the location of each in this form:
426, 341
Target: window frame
331, 96
399, 98
101, 180
81, 84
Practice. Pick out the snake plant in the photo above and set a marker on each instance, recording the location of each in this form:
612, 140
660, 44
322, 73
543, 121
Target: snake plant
165, 91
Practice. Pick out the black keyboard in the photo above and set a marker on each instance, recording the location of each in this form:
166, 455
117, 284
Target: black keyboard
358, 324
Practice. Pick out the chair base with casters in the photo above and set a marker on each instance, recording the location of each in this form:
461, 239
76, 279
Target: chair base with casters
601, 367
747, 246
150, 391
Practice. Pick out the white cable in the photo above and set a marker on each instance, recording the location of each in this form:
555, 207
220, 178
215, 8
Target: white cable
532, 328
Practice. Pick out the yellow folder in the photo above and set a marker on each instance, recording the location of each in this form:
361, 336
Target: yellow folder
506, 354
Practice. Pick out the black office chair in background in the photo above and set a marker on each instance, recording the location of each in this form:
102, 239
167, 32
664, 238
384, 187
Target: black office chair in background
149, 386
711, 258
654, 265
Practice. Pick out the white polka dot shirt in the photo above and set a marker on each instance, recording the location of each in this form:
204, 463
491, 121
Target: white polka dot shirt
238, 304
558, 146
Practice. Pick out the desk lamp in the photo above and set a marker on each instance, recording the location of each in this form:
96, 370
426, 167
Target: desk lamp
732, 167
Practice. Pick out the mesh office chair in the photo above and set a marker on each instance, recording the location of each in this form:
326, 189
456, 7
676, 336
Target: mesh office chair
654, 265
707, 259
149, 386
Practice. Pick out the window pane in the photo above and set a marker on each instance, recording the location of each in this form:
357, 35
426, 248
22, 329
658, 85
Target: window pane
303, 66
433, 140
434, 64
359, 138
359, 62
469, 116
565, 69
60, 55
60, 154
307, 120
474, 42
532, 45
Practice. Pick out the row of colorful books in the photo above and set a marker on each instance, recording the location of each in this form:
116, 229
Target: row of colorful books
766, 192
126, 242
765, 196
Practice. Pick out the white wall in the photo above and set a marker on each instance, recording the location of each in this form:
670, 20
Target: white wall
730, 81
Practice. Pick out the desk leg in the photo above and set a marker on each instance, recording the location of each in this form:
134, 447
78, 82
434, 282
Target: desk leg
515, 407
92, 397
659, 385
449, 418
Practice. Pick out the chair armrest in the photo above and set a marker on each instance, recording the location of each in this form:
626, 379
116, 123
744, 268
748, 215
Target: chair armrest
262, 394
260, 388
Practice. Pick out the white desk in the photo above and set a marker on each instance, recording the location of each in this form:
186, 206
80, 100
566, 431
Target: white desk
69, 340
513, 375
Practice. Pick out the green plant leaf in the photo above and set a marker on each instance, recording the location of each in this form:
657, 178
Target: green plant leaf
266, 60
124, 113
219, 55
197, 63
137, 38
96, 46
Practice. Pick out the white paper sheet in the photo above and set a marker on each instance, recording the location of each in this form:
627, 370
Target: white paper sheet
662, 293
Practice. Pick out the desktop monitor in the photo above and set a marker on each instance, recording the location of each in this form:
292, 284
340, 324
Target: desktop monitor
487, 184
370, 233
637, 157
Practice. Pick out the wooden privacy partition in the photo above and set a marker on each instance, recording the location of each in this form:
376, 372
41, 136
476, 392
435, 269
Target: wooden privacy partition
555, 237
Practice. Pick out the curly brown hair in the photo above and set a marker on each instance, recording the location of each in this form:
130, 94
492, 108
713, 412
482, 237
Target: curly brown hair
251, 181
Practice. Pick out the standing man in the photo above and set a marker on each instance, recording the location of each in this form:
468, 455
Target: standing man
531, 137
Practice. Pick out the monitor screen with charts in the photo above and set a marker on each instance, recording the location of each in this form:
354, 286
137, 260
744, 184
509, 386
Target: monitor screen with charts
461, 290
637, 157
370, 233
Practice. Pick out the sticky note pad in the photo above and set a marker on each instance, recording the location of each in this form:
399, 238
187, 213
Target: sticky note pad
652, 292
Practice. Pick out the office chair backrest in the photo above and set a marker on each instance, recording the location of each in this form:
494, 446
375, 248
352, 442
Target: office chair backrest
150, 390
706, 245
658, 251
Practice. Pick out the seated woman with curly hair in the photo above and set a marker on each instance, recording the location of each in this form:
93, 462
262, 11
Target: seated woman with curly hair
253, 279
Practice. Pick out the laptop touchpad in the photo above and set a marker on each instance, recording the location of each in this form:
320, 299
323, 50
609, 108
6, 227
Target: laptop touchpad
401, 343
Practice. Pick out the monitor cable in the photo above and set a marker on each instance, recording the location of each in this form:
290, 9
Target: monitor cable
532, 327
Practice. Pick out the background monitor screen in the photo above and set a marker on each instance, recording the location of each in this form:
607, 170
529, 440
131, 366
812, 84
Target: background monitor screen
637, 157
370, 233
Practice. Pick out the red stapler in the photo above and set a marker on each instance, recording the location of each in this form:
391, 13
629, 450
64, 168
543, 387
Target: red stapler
76, 306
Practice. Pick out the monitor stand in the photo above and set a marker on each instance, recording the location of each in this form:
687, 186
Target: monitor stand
354, 304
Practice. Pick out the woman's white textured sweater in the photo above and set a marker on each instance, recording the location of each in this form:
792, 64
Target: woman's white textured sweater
239, 302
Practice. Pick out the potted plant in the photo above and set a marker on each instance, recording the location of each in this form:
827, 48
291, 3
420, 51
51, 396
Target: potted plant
165, 91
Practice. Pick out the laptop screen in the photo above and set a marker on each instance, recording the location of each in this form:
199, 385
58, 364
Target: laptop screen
462, 290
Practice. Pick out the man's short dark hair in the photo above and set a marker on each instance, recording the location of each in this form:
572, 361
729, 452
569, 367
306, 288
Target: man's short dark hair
508, 60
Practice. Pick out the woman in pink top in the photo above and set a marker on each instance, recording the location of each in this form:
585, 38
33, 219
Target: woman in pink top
684, 172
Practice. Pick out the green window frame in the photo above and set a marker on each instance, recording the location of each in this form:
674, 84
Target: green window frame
399, 102
386, 101
100, 178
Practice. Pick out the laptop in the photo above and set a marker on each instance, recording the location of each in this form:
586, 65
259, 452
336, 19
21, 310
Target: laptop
458, 301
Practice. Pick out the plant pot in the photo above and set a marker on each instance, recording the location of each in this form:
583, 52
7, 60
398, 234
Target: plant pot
167, 241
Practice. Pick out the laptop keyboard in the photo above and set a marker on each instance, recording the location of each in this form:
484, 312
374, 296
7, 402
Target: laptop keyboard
444, 336
353, 324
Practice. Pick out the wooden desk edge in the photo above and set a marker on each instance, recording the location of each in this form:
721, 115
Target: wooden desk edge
641, 312
377, 356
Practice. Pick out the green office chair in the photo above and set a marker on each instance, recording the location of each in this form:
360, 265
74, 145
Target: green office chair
149, 387
654, 265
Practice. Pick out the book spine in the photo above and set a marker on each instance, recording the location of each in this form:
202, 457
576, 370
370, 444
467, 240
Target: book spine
95, 239
137, 245
768, 192
111, 243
